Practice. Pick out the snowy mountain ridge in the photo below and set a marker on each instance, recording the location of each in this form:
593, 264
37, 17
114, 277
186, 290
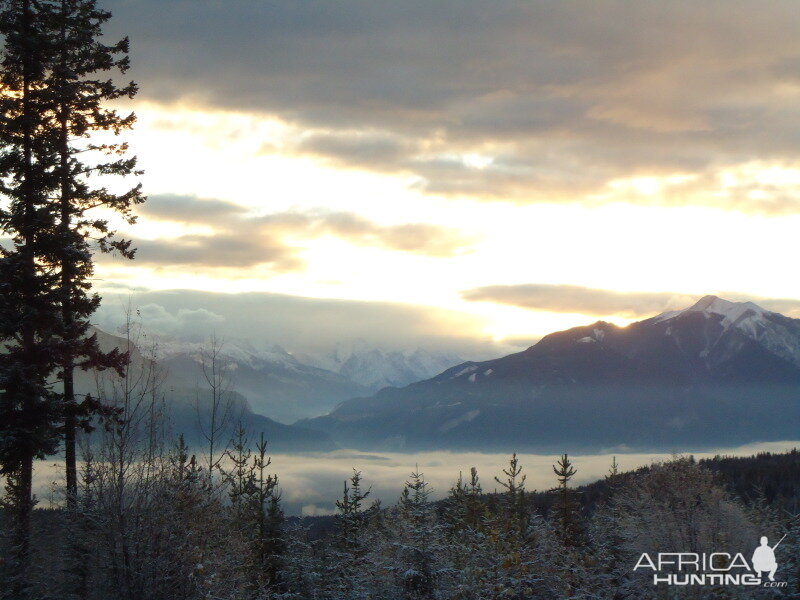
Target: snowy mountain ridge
376, 368
238, 351
775, 332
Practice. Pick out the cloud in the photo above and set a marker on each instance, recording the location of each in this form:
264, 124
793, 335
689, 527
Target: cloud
221, 249
188, 209
185, 323
417, 238
373, 149
240, 239
559, 98
603, 303
577, 299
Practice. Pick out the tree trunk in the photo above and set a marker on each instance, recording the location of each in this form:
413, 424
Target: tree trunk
23, 499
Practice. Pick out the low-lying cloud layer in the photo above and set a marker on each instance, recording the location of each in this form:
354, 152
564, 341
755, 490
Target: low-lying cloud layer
540, 100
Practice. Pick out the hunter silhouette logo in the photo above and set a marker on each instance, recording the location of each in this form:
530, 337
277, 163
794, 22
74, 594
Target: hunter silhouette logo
764, 558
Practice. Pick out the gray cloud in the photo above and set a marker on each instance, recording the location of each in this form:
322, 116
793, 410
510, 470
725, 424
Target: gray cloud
564, 96
219, 250
600, 302
188, 209
241, 240
577, 299
377, 150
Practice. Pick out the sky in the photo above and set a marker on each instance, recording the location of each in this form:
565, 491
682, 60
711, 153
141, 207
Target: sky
456, 172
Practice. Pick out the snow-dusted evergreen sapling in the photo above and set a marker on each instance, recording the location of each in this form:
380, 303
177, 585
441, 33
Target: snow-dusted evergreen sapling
347, 570
567, 511
418, 544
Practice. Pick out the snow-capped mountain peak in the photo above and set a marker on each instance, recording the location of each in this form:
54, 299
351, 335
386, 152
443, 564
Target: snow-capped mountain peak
376, 368
733, 313
775, 332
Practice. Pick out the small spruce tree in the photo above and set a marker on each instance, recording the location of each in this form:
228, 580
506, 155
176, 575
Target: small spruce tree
567, 513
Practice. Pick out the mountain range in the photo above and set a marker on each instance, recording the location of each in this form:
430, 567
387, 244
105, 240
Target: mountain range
375, 368
287, 387
718, 373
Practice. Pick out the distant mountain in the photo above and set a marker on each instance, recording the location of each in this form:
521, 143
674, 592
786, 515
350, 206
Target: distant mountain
374, 368
718, 373
187, 402
274, 382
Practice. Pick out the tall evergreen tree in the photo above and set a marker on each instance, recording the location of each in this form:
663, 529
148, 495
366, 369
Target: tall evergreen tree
79, 92
29, 412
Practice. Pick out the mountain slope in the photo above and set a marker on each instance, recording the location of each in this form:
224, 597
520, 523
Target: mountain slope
717, 373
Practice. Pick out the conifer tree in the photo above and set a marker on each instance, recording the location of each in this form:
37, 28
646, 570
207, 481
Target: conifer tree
792, 553
348, 561
516, 511
514, 570
418, 542
29, 414
265, 503
467, 551
79, 90
567, 511
50, 104
239, 478
605, 535
466, 509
